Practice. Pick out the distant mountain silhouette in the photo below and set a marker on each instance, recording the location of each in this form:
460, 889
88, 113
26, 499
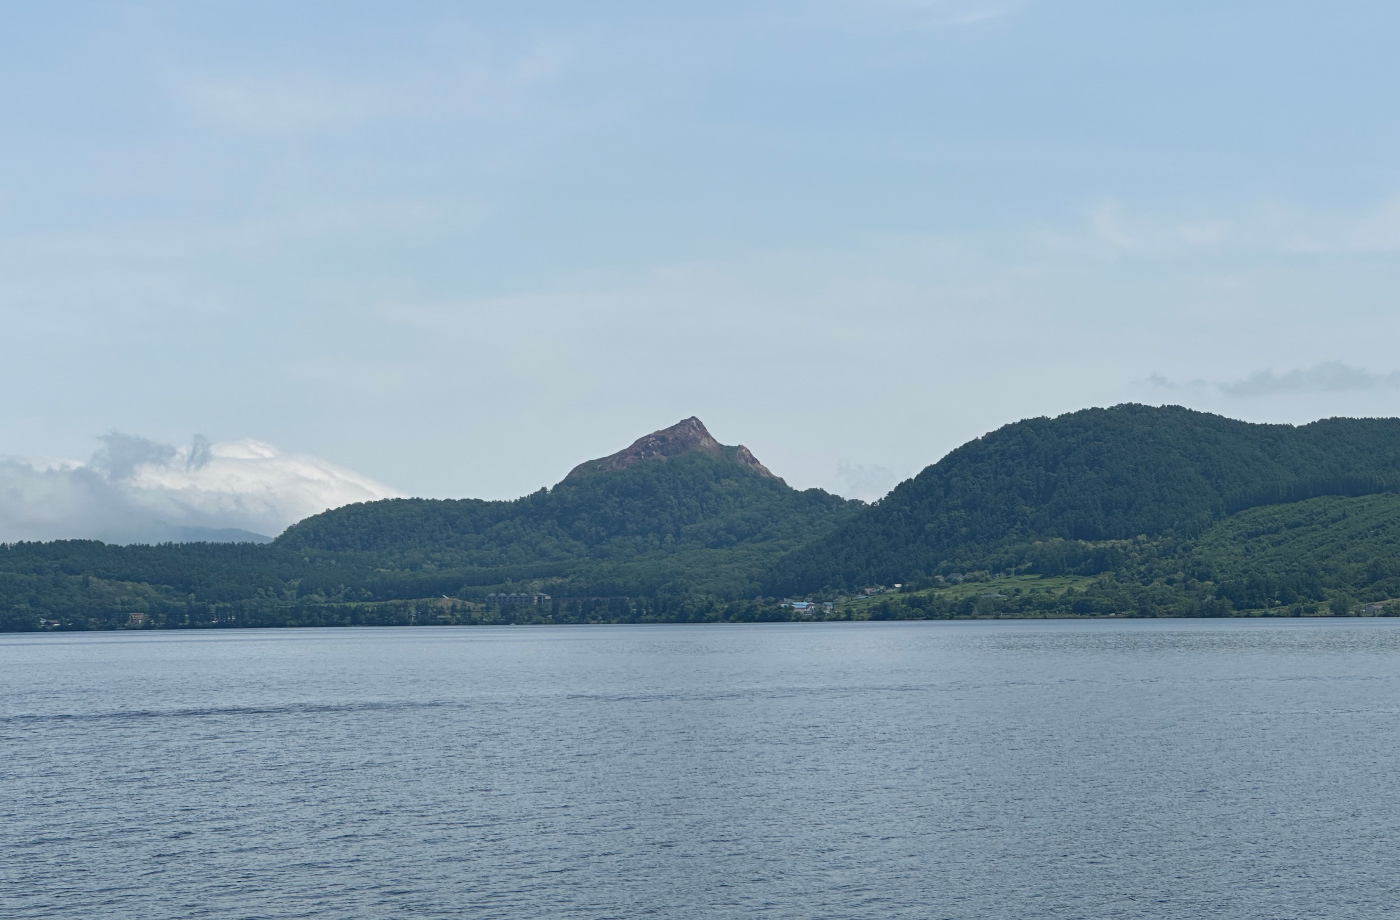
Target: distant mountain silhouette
161, 532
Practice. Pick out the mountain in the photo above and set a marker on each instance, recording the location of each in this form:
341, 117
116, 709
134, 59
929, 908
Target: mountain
688, 436
1092, 475
676, 492
1132, 510
161, 532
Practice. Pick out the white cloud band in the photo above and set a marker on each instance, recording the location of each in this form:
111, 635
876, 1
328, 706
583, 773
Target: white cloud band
136, 490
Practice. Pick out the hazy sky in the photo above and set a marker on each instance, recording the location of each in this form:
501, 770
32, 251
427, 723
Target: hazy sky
457, 248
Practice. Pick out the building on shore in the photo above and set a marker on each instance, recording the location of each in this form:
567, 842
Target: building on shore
517, 600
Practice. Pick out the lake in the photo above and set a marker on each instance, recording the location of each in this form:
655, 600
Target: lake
1004, 769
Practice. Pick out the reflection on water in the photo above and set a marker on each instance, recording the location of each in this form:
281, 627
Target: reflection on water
1133, 769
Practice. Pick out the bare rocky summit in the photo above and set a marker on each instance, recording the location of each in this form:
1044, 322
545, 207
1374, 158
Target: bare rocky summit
684, 437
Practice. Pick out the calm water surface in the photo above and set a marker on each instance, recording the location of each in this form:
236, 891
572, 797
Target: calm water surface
1131, 769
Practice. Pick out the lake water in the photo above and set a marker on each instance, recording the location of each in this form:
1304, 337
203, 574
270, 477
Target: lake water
1058, 769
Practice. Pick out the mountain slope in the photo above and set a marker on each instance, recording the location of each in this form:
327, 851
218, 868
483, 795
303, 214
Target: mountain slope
1093, 475
688, 436
1132, 511
1273, 555
674, 491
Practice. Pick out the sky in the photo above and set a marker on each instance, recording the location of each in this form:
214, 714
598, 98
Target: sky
453, 249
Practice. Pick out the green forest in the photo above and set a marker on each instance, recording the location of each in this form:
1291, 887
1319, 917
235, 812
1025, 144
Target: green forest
1128, 511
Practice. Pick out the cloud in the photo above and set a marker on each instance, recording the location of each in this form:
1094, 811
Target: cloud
137, 490
1111, 230
864, 482
1327, 377
121, 454
271, 108
483, 81
918, 14
1163, 382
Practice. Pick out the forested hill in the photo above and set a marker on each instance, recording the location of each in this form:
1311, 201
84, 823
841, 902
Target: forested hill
1093, 475
677, 519
1126, 511
688, 493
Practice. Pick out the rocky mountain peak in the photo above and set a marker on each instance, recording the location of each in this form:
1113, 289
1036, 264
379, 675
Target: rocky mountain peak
687, 436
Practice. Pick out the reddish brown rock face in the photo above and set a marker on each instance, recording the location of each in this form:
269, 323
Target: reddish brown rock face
681, 438
745, 458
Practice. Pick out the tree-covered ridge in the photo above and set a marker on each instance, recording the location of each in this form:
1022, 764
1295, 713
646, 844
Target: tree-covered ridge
1129, 511
1093, 475
1273, 555
702, 523
1329, 556
694, 501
